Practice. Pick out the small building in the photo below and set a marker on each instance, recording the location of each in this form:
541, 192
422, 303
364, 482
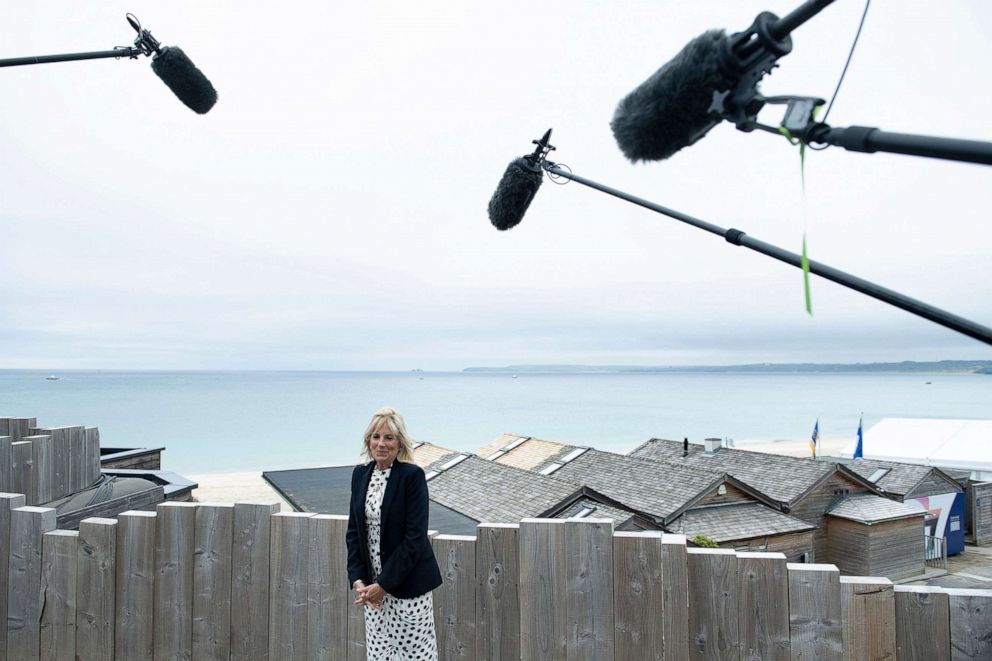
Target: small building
871, 536
701, 502
802, 488
937, 493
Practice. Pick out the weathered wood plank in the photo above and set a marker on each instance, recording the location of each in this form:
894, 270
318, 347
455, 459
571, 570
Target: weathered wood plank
713, 617
590, 628
175, 539
814, 613
58, 581
356, 631
497, 610
24, 595
96, 592
675, 589
23, 477
638, 595
6, 462
763, 607
62, 456
454, 601
971, 624
43, 467
91, 456
869, 618
17, 428
134, 633
922, 623
8, 502
543, 601
290, 551
212, 581
250, 581
328, 600
75, 459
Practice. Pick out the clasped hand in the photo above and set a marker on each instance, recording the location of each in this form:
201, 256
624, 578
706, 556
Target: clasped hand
370, 595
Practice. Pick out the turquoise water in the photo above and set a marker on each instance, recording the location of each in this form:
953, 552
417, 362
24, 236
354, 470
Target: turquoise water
213, 422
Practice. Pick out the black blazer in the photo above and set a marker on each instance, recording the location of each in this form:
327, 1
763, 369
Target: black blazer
409, 568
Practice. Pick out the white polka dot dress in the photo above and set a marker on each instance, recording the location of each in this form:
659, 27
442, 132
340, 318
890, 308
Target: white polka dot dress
401, 629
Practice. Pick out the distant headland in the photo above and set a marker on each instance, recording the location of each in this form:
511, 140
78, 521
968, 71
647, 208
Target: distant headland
904, 367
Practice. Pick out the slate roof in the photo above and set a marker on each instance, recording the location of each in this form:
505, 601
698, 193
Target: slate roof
868, 508
643, 485
899, 480
493, 493
737, 521
779, 477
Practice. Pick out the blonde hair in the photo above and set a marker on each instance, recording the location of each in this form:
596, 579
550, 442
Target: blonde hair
393, 421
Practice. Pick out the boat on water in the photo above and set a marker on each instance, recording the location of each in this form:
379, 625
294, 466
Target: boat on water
52, 377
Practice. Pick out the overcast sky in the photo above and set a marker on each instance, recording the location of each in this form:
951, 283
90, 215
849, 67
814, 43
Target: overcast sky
330, 211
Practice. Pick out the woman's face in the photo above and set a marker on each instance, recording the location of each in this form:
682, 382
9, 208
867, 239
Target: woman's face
384, 446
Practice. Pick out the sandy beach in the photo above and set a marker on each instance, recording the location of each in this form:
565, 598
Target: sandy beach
236, 487
828, 447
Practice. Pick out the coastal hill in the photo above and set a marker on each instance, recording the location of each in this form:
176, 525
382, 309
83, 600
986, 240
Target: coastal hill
906, 366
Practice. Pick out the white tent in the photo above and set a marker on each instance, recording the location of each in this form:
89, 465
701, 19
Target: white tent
959, 444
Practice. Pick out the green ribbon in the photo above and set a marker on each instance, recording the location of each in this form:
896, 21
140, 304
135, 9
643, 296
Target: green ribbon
802, 177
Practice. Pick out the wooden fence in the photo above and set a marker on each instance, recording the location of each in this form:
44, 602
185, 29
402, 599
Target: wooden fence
248, 582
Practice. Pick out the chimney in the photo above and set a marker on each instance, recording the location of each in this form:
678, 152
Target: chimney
710, 446
685, 446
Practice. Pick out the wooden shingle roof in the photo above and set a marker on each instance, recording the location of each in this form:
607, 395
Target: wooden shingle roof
868, 508
782, 478
646, 486
736, 521
493, 493
899, 478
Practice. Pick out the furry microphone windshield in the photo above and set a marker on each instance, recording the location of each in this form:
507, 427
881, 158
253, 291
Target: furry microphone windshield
186, 81
513, 194
670, 110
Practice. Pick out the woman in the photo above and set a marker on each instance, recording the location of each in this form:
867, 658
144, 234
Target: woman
391, 564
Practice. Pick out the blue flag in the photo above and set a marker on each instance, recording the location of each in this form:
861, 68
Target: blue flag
812, 440
859, 449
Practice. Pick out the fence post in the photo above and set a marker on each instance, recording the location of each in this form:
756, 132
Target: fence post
638, 595
58, 580
289, 561
675, 587
250, 580
212, 570
135, 596
922, 623
542, 590
42, 468
497, 566
454, 601
763, 605
24, 596
589, 589
8, 502
174, 542
869, 621
95, 591
713, 618
815, 613
971, 623
328, 600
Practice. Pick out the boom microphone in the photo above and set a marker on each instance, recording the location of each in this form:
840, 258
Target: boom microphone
518, 187
187, 82
714, 77
176, 70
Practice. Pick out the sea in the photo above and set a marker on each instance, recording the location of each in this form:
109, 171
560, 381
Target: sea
233, 421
